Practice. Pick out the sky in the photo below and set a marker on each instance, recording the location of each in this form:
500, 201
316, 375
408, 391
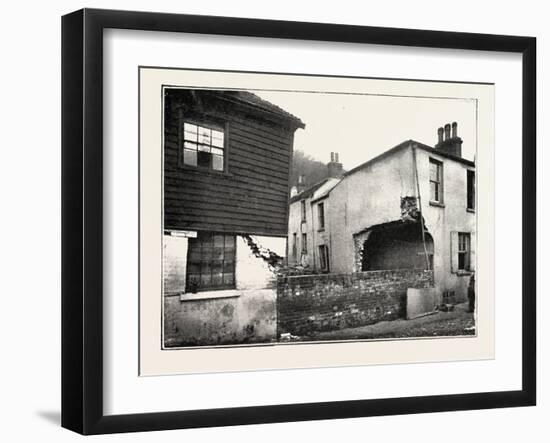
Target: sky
360, 127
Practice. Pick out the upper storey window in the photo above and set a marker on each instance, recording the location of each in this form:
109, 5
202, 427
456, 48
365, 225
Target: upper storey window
203, 146
436, 181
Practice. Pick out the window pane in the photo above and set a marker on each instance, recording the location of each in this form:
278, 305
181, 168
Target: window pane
217, 279
217, 253
189, 127
218, 240
193, 267
229, 242
217, 139
190, 132
190, 157
194, 252
228, 266
470, 190
461, 260
206, 267
216, 151
190, 146
434, 171
203, 159
204, 136
204, 148
193, 278
217, 163
205, 280
217, 266
228, 279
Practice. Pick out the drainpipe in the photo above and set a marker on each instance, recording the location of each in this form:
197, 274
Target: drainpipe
420, 206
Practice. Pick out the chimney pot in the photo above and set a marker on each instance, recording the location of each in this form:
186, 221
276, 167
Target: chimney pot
454, 126
447, 131
440, 135
336, 157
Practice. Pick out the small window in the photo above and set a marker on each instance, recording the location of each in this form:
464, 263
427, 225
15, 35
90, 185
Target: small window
211, 262
463, 251
323, 258
304, 243
321, 215
295, 246
471, 190
303, 203
203, 146
436, 181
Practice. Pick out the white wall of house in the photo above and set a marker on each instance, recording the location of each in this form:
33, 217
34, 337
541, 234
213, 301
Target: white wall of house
245, 314
443, 221
365, 198
316, 236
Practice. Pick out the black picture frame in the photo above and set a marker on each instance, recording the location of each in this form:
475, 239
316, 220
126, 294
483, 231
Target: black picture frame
82, 218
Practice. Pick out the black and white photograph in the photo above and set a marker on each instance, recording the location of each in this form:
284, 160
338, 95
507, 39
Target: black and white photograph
313, 216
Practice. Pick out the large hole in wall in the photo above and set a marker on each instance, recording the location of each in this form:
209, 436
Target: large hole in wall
397, 246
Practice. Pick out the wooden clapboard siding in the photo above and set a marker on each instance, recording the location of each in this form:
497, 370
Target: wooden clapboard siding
251, 196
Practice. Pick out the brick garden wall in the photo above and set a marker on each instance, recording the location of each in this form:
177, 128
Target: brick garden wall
310, 303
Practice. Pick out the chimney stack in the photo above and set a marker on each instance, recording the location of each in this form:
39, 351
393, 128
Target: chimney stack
335, 169
452, 144
301, 184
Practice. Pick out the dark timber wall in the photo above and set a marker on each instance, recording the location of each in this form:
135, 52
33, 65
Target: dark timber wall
251, 195
310, 303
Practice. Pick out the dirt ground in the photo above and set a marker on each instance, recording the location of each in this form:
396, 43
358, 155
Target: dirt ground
452, 323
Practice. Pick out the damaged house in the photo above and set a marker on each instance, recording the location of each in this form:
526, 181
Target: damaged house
227, 156
412, 207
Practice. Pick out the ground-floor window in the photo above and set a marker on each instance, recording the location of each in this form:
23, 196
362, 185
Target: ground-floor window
211, 262
463, 251
323, 258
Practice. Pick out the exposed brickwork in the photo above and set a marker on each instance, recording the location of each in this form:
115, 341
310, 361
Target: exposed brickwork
306, 304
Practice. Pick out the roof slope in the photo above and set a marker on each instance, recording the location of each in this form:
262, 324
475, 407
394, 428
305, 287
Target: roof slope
325, 189
255, 101
308, 192
404, 145
317, 191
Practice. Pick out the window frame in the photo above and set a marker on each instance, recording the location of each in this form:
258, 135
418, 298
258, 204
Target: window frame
438, 183
303, 210
207, 122
295, 246
466, 251
321, 215
324, 263
189, 262
470, 190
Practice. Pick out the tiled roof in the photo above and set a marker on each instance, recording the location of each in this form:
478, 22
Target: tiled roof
254, 100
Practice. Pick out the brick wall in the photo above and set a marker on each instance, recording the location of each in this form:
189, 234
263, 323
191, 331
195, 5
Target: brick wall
310, 303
